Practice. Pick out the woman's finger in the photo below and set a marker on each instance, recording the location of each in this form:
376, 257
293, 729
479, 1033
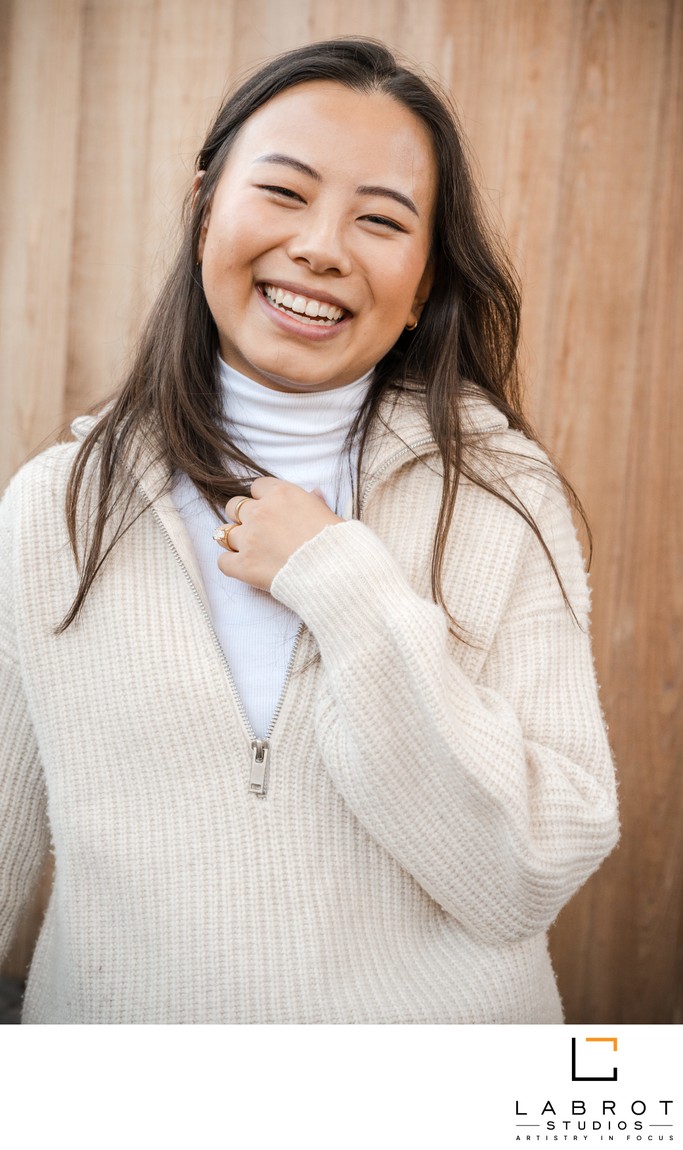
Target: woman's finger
235, 506
266, 483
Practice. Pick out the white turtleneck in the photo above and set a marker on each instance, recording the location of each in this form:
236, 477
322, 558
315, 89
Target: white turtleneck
297, 436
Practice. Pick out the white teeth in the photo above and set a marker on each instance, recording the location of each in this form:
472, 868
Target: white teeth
307, 310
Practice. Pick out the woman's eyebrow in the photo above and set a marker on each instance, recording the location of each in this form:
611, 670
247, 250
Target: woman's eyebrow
290, 162
374, 190
363, 190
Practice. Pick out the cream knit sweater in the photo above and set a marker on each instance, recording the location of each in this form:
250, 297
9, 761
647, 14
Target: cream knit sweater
431, 804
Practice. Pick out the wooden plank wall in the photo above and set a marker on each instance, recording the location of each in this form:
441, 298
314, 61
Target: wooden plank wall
574, 110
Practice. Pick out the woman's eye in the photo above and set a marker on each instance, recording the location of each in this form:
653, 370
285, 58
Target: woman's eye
385, 222
287, 193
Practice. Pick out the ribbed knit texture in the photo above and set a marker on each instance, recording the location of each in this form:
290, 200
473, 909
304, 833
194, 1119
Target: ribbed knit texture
299, 437
432, 804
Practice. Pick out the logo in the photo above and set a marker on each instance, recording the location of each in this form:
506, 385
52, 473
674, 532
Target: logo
593, 1077
636, 1106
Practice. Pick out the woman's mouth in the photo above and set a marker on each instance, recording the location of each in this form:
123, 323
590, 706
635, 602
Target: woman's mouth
305, 309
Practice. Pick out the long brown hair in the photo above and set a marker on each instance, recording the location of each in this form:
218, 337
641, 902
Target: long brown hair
171, 398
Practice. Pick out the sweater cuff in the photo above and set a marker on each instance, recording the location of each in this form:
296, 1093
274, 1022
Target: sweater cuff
345, 585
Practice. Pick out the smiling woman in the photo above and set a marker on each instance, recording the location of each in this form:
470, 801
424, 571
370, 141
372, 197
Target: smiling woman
341, 218
298, 684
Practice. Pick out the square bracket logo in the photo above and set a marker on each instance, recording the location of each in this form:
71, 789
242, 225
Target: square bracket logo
593, 1077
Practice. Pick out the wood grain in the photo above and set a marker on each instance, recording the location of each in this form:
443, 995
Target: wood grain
39, 93
574, 110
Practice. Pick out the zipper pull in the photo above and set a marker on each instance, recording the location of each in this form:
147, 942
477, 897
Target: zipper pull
258, 779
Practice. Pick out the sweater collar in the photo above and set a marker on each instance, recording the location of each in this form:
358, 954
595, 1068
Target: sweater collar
402, 414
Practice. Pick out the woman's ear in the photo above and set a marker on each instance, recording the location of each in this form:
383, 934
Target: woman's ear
421, 296
196, 185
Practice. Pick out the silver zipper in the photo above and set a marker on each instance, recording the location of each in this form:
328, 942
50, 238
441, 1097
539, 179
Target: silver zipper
258, 779
260, 748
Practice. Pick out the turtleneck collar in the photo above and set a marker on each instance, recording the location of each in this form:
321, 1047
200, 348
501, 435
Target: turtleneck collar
257, 412
297, 436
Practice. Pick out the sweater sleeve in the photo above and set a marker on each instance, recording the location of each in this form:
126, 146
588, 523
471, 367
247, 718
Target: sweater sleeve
24, 837
495, 792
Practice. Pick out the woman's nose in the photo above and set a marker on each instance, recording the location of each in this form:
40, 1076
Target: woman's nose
319, 242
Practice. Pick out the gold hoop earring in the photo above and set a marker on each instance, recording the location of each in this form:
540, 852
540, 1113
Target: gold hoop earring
411, 326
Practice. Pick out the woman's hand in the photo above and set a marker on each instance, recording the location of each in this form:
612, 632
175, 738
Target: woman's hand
274, 523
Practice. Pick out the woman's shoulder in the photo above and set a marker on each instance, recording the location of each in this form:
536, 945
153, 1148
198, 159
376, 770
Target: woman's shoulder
486, 426
32, 504
42, 475
504, 470
486, 431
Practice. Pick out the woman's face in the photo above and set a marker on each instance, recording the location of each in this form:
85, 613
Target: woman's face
315, 246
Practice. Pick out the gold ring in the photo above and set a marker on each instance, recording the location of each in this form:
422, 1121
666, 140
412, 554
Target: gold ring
236, 512
222, 535
226, 535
